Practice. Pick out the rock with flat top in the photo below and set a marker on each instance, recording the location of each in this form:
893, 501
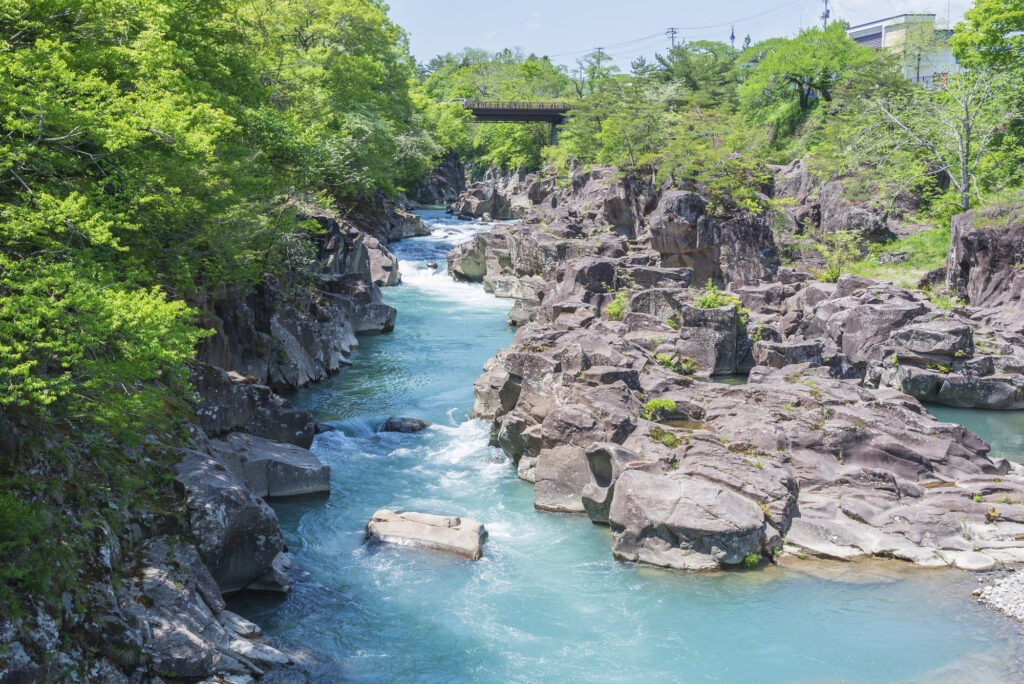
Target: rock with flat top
451, 534
270, 469
974, 561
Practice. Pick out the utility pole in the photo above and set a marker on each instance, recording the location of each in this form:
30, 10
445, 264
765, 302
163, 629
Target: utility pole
825, 15
600, 55
732, 37
671, 33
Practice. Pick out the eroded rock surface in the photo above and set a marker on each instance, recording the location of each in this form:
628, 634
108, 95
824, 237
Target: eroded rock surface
826, 451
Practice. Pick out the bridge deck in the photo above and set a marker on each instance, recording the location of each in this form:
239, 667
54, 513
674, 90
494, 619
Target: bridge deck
550, 112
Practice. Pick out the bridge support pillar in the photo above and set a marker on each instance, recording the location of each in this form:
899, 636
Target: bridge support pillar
553, 136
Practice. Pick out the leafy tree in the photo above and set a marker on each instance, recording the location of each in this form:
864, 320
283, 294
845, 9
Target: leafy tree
950, 131
992, 35
706, 70
788, 77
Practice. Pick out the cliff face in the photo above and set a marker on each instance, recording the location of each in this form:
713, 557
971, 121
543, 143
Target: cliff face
443, 184
600, 212
985, 265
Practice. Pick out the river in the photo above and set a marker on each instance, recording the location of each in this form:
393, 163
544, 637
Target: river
547, 603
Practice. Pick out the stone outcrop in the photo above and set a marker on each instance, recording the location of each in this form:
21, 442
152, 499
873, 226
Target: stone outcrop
155, 609
443, 184
497, 196
229, 402
985, 265
175, 621
284, 341
461, 536
602, 401
272, 470
819, 207
667, 233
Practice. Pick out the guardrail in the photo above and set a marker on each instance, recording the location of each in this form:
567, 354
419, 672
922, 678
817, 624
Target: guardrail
492, 104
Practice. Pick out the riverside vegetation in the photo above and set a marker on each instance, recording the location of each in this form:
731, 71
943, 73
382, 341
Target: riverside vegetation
188, 190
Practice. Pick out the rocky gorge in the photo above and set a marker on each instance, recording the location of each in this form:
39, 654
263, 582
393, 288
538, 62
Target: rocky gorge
631, 297
155, 607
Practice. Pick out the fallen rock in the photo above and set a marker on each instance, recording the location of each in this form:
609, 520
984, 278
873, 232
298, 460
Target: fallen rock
462, 536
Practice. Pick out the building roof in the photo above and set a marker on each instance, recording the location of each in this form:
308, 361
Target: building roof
896, 16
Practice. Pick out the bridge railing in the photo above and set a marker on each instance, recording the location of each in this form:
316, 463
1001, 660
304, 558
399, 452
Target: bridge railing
494, 104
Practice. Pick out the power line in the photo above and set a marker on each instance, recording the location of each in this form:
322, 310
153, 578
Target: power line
675, 30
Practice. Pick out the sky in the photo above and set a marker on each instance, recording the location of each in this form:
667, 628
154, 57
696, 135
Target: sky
627, 29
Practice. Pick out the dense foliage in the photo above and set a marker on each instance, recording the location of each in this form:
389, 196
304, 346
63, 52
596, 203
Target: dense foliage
715, 114
151, 152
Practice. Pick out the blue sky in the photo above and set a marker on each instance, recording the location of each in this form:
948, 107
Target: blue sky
626, 28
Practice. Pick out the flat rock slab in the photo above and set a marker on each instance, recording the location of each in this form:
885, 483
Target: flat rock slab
450, 534
271, 469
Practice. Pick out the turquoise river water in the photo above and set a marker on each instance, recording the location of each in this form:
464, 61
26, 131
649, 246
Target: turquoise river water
547, 603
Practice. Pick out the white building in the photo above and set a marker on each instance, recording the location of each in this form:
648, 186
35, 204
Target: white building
927, 57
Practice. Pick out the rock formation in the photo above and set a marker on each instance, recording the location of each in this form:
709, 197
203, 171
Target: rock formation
442, 184
603, 401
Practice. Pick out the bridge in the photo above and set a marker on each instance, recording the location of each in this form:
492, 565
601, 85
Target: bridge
553, 113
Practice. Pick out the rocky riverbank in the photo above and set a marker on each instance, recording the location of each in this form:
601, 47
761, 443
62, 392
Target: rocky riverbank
604, 400
154, 604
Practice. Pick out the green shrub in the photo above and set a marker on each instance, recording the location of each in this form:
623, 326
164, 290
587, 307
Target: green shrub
656, 407
751, 561
677, 363
714, 298
839, 249
618, 305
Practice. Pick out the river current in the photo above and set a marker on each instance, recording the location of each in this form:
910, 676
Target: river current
547, 603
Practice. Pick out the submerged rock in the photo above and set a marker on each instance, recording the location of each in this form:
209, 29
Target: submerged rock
462, 536
401, 424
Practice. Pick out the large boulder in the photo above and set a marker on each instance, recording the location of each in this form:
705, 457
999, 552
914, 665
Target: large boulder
461, 536
867, 218
270, 469
682, 522
237, 532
